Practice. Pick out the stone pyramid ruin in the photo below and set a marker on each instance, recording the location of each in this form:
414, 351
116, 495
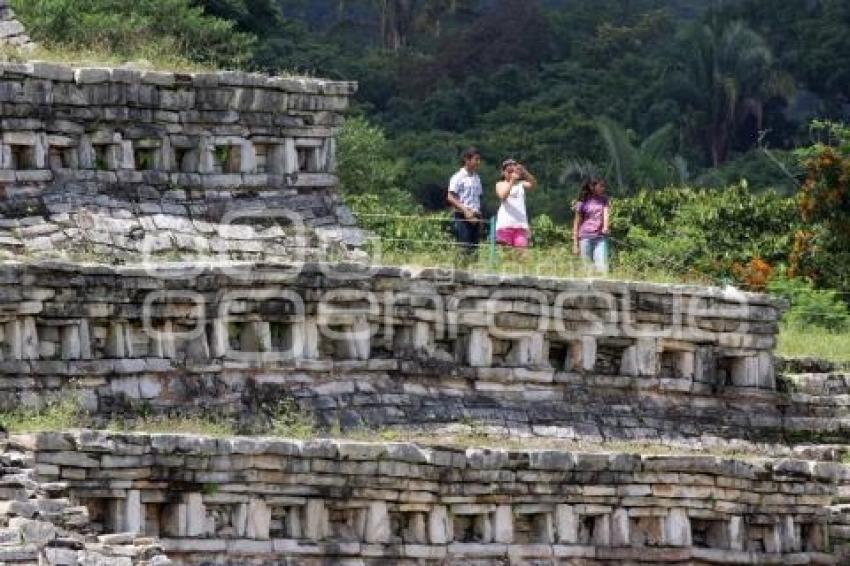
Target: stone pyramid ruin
175, 245
12, 32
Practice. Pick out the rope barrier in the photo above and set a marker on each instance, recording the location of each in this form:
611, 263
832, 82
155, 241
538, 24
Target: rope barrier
423, 218
672, 264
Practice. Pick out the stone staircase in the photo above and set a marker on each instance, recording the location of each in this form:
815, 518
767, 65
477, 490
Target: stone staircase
39, 525
12, 32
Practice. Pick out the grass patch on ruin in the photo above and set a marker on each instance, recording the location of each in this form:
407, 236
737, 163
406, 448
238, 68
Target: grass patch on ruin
204, 425
290, 421
150, 59
478, 435
62, 414
813, 342
555, 262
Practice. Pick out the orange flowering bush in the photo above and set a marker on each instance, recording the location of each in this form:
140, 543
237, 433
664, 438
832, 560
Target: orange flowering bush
755, 274
820, 251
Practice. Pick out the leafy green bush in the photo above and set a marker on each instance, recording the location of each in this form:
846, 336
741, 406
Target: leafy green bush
820, 247
811, 307
547, 234
147, 28
365, 165
708, 232
369, 177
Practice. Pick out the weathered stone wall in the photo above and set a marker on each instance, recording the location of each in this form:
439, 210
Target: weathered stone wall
39, 525
254, 501
11, 30
126, 164
385, 347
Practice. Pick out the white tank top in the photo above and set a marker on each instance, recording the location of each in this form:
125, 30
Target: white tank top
512, 212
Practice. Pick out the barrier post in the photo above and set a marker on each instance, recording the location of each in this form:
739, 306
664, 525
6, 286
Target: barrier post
492, 242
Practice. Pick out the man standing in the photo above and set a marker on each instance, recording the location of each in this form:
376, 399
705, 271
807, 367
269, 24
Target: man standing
465, 197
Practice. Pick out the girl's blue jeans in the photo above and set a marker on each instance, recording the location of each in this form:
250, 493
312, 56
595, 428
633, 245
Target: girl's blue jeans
595, 250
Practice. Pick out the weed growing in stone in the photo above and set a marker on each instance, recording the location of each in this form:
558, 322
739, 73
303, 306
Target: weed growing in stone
290, 421
205, 425
61, 414
101, 56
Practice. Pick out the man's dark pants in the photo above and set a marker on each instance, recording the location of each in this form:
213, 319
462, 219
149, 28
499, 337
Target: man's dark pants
468, 233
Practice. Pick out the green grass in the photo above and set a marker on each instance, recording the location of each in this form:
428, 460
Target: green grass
58, 415
556, 262
200, 425
290, 421
477, 435
148, 59
813, 342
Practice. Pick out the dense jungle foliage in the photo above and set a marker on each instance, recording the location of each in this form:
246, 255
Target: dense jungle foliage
733, 102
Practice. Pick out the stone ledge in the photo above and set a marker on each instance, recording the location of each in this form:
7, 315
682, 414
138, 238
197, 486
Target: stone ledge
370, 501
83, 75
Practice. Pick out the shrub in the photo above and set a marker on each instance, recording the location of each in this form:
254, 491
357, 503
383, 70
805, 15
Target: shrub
810, 306
820, 248
709, 232
144, 28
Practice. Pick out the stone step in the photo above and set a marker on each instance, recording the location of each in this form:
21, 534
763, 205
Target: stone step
18, 553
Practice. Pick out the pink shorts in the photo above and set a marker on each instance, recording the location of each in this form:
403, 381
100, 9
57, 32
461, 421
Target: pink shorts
513, 237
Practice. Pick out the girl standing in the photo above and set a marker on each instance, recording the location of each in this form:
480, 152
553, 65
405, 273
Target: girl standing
512, 228
591, 224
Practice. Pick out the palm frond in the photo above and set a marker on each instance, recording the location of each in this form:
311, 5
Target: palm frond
659, 142
577, 170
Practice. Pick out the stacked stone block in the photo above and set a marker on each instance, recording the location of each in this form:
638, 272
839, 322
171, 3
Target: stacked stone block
384, 347
256, 500
12, 32
40, 525
133, 165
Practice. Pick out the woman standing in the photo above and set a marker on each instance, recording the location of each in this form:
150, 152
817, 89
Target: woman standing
591, 224
512, 228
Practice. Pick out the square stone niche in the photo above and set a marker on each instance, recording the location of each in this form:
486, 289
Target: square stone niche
764, 539
568, 355
105, 156
813, 537
409, 526
612, 356
746, 369
520, 351
22, 157
147, 155
62, 153
473, 523
710, 533
346, 338
249, 337
227, 159
347, 523
533, 524
677, 360
287, 521
594, 530
186, 158
647, 530
309, 155
270, 157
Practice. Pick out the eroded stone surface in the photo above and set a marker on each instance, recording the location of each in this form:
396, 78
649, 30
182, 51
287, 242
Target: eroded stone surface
207, 501
39, 524
12, 32
127, 165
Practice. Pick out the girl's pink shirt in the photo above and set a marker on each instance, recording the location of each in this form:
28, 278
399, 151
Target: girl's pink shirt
592, 216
